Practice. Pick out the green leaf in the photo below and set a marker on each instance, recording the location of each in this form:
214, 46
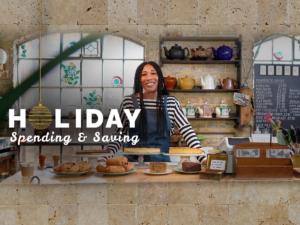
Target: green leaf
68, 68
98, 103
91, 95
70, 83
71, 78
95, 99
78, 72
74, 67
91, 99
63, 66
24, 51
66, 76
22, 46
75, 82
76, 77
88, 103
23, 55
66, 71
85, 98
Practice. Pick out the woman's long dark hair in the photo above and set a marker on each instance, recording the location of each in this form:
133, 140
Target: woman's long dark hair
161, 90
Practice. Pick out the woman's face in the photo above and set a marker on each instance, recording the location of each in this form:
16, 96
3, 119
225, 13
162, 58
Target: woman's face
149, 79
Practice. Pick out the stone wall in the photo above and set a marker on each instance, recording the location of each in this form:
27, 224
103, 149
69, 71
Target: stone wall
233, 202
146, 20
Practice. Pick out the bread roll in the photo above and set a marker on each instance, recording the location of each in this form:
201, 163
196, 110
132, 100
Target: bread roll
56, 169
129, 167
115, 169
101, 168
84, 166
117, 161
69, 167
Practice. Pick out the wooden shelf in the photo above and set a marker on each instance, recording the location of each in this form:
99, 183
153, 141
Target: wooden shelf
215, 118
199, 89
189, 61
226, 38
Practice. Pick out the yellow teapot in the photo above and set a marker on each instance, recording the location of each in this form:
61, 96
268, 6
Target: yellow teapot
186, 83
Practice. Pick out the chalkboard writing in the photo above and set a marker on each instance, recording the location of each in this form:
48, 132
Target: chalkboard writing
277, 93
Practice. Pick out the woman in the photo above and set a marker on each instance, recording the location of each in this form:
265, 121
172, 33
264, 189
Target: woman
160, 113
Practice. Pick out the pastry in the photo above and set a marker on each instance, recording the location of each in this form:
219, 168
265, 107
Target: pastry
69, 167
56, 169
158, 167
129, 167
93, 152
84, 166
117, 161
142, 150
191, 166
115, 169
101, 168
185, 151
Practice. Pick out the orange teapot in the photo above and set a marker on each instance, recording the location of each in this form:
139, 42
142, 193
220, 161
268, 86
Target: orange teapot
228, 83
170, 82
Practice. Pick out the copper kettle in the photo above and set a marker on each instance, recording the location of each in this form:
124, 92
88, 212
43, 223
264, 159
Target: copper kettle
228, 83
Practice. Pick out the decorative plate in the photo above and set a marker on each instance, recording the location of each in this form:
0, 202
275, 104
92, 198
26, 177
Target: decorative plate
179, 170
117, 174
147, 171
69, 174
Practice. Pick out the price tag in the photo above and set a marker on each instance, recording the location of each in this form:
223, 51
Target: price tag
217, 164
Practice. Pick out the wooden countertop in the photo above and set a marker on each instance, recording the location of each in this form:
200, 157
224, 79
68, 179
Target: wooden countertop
136, 177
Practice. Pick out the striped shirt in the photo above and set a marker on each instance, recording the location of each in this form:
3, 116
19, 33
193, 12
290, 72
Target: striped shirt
176, 116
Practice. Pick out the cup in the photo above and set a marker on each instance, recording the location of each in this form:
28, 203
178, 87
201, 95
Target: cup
27, 169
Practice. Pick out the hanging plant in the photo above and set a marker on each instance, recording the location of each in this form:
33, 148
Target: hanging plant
23, 51
93, 99
71, 74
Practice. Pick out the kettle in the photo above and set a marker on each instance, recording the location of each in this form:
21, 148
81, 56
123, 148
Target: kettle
176, 52
224, 52
228, 83
208, 82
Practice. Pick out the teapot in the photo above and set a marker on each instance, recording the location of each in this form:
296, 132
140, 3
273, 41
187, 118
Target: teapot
176, 52
186, 83
205, 110
222, 110
170, 82
228, 83
201, 53
208, 82
224, 52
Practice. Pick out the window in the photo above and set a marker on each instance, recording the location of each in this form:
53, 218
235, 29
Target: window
99, 79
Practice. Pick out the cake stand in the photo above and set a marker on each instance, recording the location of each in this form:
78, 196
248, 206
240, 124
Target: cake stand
184, 157
141, 164
92, 159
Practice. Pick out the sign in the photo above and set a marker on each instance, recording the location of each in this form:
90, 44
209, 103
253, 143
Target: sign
217, 164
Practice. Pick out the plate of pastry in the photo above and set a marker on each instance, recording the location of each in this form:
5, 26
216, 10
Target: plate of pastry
116, 166
157, 168
189, 168
72, 169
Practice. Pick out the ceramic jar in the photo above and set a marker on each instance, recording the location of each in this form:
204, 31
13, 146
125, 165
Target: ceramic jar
170, 82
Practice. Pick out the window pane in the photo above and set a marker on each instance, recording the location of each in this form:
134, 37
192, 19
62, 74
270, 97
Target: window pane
265, 51
27, 68
112, 99
112, 73
128, 91
30, 49
92, 73
69, 40
70, 100
129, 72
297, 48
92, 98
93, 48
112, 47
52, 78
51, 98
70, 73
283, 45
30, 98
50, 45
133, 51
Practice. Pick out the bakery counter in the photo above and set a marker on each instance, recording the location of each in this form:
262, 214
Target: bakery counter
143, 199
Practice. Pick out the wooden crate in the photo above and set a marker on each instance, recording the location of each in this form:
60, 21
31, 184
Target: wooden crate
262, 167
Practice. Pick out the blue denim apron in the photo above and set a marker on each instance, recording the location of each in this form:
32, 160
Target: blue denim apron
153, 139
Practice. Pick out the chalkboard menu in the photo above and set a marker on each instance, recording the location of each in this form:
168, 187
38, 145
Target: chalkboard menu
277, 90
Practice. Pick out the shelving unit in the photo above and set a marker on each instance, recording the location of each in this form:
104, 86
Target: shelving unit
237, 62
